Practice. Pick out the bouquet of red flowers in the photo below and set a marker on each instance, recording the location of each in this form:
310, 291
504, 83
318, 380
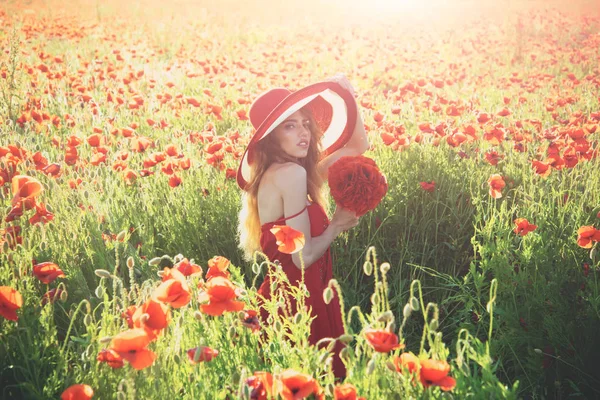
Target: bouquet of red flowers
357, 184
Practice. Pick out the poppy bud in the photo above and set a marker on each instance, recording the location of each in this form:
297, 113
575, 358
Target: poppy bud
407, 311
593, 253
331, 345
273, 287
102, 273
198, 315
538, 351
434, 325
385, 267
297, 318
327, 295
99, 292
5, 247
278, 326
414, 304
43, 245
346, 353
242, 293
386, 316
370, 366
345, 338
63, 296
121, 236
374, 298
105, 339
176, 358
231, 333
368, 268
130, 262
86, 194
241, 315
87, 320
391, 326
155, 261
390, 365
489, 307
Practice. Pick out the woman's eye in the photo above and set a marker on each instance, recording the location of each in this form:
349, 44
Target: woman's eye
290, 126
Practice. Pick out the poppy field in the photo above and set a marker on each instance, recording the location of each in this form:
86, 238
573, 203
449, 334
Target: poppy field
121, 130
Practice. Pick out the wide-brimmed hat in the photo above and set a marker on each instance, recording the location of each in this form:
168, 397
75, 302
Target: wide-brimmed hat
333, 108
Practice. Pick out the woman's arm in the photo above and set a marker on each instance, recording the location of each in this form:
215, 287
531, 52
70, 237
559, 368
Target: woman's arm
291, 180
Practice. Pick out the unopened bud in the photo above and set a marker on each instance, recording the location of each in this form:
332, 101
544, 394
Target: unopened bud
121, 236
593, 253
105, 339
385, 267
489, 306
434, 325
331, 345
198, 315
63, 296
87, 320
386, 316
102, 273
176, 358
414, 304
538, 351
278, 326
327, 295
241, 315
155, 261
99, 292
370, 366
231, 332
297, 318
406, 311
390, 365
130, 262
345, 338
273, 287
374, 298
368, 268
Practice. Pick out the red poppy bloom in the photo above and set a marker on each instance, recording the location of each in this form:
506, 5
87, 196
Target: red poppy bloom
289, 240
523, 227
261, 384
78, 392
10, 301
408, 361
201, 354
292, 385
173, 291
217, 266
111, 357
250, 320
496, 183
382, 341
47, 272
131, 346
587, 235
221, 294
151, 316
347, 391
25, 189
187, 268
435, 373
428, 186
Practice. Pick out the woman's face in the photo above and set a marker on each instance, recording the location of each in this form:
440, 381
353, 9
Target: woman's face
293, 135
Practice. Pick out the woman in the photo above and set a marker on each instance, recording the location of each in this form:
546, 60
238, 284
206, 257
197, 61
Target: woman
298, 137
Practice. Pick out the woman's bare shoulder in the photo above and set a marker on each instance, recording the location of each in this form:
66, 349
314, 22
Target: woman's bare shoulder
289, 175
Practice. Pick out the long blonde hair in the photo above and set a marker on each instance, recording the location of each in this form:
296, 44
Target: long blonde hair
267, 152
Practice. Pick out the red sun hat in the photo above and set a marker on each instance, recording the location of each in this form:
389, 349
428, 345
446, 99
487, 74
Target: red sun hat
333, 108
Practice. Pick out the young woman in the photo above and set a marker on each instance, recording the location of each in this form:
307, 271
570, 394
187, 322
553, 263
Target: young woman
298, 137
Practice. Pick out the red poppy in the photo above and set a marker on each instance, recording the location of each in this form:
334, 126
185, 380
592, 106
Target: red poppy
292, 385
428, 186
496, 183
111, 357
78, 392
217, 266
25, 189
173, 291
201, 354
47, 272
221, 295
382, 341
523, 227
587, 235
151, 316
408, 361
41, 215
131, 346
289, 240
250, 320
346, 391
10, 301
261, 384
187, 268
435, 373
541, 168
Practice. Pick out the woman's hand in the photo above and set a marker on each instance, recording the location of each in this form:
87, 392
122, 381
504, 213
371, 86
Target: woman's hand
343, 82
344, 219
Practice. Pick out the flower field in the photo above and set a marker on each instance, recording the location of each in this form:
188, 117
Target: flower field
121, 130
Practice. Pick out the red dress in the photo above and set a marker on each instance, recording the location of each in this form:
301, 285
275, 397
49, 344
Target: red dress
328, 321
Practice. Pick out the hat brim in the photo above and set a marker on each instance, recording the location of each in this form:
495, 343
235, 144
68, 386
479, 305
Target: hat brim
333, 107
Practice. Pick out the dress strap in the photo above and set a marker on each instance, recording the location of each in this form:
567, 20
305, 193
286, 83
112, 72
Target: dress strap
295, 215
